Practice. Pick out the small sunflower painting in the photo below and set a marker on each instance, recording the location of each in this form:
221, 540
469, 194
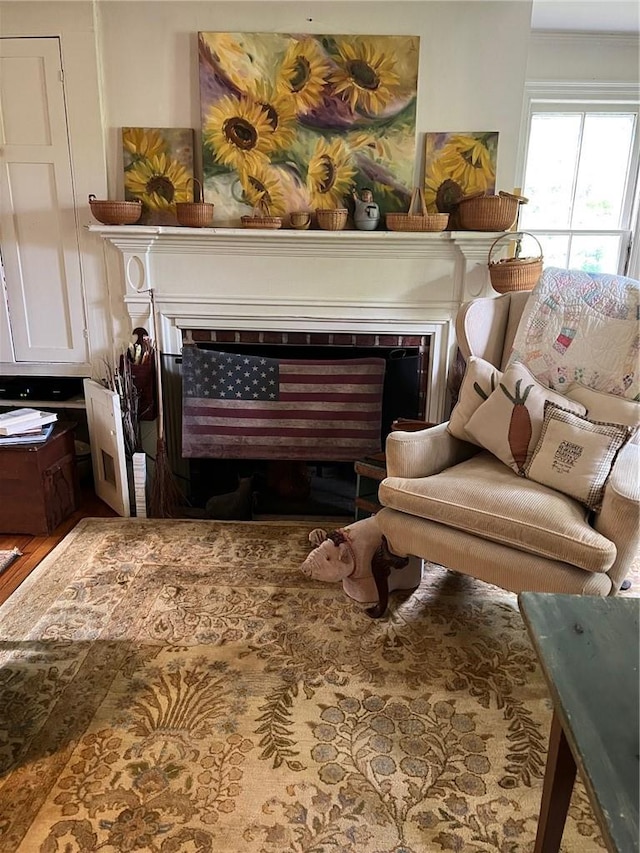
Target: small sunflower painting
294, 122
458, 164
158, 170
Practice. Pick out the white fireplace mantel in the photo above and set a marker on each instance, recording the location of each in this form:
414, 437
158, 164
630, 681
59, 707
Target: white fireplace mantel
284, 280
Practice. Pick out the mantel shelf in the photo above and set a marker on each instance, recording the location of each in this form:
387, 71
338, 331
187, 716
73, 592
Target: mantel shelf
141, 239
312, 236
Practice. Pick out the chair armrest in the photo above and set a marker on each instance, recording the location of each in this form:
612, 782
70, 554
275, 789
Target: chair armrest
426, 452
619, 517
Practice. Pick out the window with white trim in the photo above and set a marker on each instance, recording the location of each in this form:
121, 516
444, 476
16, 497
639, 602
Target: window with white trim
580, 174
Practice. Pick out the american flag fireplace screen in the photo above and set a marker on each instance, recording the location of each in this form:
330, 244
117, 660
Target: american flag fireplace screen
238, 406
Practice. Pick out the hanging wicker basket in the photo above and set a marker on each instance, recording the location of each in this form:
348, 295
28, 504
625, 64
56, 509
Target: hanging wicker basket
481, 212
418, 221
511, 274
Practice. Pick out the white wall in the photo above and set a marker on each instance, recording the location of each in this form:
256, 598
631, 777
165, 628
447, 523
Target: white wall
472, 60
584, 57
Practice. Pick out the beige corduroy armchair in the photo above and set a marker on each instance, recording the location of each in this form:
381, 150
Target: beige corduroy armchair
452, 503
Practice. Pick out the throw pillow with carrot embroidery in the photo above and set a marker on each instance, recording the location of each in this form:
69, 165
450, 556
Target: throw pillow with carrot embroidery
509, 423
480, 380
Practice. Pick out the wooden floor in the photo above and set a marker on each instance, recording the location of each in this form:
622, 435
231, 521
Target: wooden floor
35, 548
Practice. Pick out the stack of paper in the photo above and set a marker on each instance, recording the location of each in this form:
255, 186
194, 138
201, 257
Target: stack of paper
23, 426
35, 437
140, 484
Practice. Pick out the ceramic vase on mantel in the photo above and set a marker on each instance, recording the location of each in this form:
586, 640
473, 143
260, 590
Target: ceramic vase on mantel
366, 215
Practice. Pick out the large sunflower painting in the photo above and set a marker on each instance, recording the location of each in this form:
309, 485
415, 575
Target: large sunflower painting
158, 170
458, 164
294, 122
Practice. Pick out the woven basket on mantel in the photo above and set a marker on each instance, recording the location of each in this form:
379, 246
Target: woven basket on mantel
197, 213
260, 218
417, 221
260, 221
480, 212
115, 212
332, 219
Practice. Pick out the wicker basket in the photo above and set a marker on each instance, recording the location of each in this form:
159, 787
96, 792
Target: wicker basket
115, 212
332, 220
422, 221
511, 274
197, 213
261, 221
489, 212
194, 214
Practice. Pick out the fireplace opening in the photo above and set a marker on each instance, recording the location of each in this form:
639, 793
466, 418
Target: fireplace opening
248, 488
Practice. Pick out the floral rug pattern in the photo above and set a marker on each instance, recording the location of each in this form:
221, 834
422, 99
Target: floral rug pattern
181, 686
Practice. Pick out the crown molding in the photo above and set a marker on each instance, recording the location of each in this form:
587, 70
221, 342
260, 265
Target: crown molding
585, 90
618, 39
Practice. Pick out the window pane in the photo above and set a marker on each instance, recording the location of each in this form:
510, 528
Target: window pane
551, 167
555, 250
595, 254
604, 161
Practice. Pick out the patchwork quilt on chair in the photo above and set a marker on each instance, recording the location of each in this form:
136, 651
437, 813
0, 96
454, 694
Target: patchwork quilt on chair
582, 327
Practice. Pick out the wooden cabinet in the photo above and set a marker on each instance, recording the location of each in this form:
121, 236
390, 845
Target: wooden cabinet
38, 483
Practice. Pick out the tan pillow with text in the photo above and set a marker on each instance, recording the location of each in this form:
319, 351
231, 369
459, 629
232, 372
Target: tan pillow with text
575, 455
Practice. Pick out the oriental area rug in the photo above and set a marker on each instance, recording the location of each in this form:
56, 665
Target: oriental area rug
181, 686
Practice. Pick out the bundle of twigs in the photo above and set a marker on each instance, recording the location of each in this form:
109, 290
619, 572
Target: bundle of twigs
120, 380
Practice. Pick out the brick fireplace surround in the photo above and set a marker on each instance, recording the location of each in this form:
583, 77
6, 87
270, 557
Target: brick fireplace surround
391, 288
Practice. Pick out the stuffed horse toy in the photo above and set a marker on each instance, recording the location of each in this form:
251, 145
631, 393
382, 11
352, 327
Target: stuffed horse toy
358, 556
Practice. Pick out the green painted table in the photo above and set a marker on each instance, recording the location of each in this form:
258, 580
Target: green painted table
588, 648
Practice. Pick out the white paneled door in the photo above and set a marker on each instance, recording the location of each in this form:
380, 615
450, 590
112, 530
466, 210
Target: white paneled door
38, 236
